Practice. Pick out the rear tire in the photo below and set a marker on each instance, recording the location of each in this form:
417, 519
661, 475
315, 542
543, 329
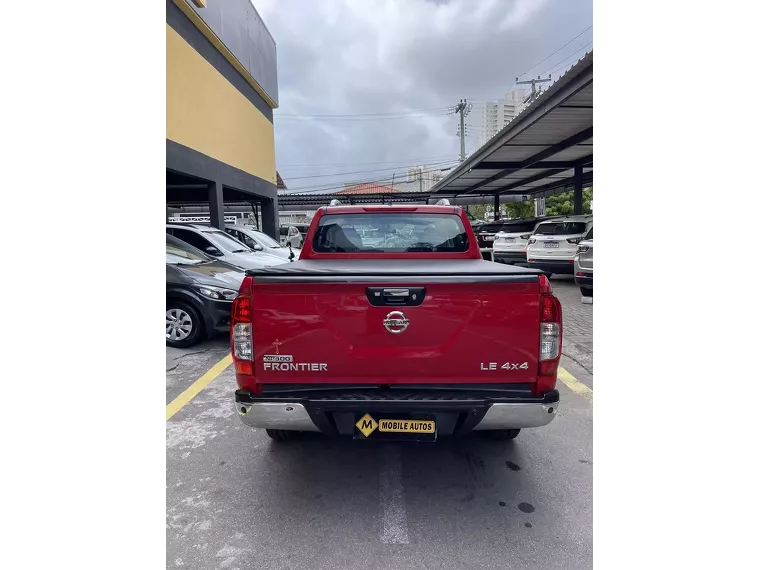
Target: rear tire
281, 434
586, 291
501, 434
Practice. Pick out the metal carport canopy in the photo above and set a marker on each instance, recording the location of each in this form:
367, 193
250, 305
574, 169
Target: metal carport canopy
541, 151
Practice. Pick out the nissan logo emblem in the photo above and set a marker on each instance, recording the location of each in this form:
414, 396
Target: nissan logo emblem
396, 322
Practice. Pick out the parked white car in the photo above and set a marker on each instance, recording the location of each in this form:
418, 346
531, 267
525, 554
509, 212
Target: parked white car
510, 244
220, 245
553, 244
259, 241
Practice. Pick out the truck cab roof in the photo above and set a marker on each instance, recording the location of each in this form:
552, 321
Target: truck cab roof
368, 208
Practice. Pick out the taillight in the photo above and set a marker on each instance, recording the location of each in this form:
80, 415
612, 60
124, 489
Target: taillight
583, 249
242, 330
531, 241
550, 338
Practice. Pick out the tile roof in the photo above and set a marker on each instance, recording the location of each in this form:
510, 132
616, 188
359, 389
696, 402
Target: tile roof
367, 188
280, 183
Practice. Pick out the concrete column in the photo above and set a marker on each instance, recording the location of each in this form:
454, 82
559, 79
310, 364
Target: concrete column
497, 207
270, 217
216, 204
578, 189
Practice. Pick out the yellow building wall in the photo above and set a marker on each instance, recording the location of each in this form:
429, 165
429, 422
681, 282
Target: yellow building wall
208, 114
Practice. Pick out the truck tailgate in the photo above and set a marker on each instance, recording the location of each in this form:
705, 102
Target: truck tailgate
478, 331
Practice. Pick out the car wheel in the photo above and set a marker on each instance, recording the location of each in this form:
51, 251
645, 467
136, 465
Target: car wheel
501, 434
184, 326
586, 291
281, 434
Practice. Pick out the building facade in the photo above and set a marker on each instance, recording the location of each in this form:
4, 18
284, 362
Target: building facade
221, 89
497, 114
422, 178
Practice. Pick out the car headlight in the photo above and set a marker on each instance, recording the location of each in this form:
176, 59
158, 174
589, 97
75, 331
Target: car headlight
217, 293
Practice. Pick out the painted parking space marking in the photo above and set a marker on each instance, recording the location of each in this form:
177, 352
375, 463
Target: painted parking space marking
575, 385
196, 387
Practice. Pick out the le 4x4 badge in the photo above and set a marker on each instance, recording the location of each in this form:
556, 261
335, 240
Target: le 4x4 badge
504, 366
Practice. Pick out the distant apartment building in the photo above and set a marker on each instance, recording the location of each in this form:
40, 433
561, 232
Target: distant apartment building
497, 114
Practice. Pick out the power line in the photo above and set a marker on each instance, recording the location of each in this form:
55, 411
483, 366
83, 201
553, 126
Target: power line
365, 171
369, 117
363, 114
559, 66
537, 64
429, 158
348, 183
557, 51
357, 119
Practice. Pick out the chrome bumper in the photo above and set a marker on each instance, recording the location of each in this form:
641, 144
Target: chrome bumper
271, 415
294, 417
517, 415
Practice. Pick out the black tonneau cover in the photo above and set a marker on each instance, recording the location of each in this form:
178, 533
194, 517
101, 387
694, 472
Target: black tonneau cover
398, 268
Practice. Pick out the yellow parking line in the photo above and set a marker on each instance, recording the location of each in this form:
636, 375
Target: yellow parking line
180, 401
575, 385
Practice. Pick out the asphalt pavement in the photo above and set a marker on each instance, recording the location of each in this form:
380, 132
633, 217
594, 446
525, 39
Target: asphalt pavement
237, 499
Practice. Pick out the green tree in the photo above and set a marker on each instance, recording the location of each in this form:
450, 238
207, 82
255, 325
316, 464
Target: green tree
521, 210
515, 210
478, 211
563, 204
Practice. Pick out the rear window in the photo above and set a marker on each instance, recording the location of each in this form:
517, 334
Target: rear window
560, 228
390, 232
490, 228
525, 228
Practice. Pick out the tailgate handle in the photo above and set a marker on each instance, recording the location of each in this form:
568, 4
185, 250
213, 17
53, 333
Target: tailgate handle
396, 293
405, 296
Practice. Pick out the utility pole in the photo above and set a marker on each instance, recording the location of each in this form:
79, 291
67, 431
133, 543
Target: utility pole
462, 109
532, 82
421, 169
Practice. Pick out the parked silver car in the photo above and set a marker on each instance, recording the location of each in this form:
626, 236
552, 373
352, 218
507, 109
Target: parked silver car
584, 265
220, 245
259, 241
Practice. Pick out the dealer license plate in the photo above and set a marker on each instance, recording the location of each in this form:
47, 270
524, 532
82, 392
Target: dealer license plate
488, 238
387, 428
551, 244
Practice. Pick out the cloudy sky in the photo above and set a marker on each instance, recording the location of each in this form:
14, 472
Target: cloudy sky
413, 58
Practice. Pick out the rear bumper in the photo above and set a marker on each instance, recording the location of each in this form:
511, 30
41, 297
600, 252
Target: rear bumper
509, 257
334, 411
586, 280
557, 266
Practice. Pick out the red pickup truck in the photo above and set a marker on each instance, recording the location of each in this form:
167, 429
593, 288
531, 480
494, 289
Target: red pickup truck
392, 326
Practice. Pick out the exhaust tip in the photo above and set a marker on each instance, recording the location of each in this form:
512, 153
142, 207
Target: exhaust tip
243, 410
